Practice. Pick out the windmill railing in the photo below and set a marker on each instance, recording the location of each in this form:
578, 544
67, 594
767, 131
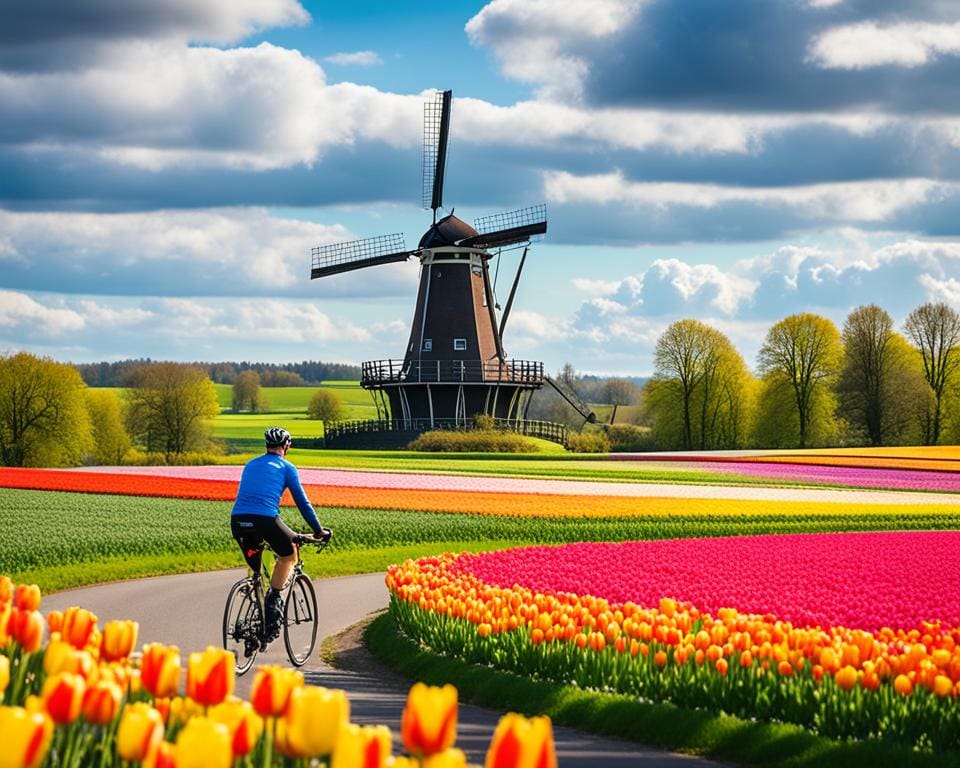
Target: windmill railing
545, 430
378, 373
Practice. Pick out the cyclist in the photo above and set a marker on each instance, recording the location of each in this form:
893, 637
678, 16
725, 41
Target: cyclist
255, 518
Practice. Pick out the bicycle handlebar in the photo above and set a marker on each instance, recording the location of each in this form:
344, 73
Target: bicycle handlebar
319, 540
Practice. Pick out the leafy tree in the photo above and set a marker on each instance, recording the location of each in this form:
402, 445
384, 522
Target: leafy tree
701, 393
43, 421
110, 438
878, 373
274, 378
935, 329
169, 406
247, 395
325, 406
801, 357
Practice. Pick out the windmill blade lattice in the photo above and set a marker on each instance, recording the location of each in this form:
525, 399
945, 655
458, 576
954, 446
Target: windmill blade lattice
356, 254
509, 227
436, 132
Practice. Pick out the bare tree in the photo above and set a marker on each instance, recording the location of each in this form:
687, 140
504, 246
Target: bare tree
620, 392
935, 330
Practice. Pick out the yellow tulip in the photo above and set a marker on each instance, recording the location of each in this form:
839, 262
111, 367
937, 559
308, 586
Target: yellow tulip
6, 589
6, 610
429, 723
520, 742
366, 746
4, 674
25, 737
79, 626
119, 639
449, 758
313, 719
204, 743
140, 731
272, 688
210, 676
101, 702
243, 723
161, 756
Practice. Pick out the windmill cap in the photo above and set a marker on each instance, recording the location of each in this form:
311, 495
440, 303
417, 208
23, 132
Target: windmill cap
447, 231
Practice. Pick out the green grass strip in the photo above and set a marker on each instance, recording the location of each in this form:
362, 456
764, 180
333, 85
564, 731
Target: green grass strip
709, 734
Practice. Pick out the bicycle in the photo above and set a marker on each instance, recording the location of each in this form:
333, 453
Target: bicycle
243, 615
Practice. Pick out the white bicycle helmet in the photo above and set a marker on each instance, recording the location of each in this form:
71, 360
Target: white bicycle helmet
277, 437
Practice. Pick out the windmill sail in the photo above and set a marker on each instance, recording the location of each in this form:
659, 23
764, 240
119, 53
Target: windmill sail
436, 131
356, 254
508, 228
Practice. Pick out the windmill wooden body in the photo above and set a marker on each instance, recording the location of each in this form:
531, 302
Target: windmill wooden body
454, 366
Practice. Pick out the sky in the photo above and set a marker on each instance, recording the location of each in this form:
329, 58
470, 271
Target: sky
166, 166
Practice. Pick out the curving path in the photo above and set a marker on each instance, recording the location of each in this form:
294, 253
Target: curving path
186, 610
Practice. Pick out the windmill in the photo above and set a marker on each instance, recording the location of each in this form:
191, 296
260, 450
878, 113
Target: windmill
454, 366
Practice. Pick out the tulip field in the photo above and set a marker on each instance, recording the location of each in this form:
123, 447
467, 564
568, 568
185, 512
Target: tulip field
88, 697
828, 607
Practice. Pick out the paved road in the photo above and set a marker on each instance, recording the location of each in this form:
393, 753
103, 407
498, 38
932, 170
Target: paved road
186, 610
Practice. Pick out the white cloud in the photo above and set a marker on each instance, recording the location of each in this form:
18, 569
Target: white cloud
869, 44
549, 43
355, 59
20, 312
526, 325
596, 287
842, 201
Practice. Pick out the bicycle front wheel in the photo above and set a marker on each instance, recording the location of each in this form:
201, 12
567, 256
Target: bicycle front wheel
300, 620
242, 620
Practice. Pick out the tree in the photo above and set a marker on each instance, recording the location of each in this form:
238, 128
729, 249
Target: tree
878, 373
246, 393
43, 421
935, 329
700, 395
169, 406
619, 392
110, 438
802, 354
325, 406
275, 378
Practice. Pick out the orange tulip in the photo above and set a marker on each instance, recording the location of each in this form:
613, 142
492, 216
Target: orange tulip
210, 676
119, 640
365, 746
63, 696
903, 685
429, 722
55, 621
203, 743
101, 702
942, 685
272, 688
6, 610
4, 674
27, 597
160, 670
79, 626
163, 755
519, 742
63, 657
25, 737
311, 724
26, 628
140, 731
846, 678
242, 723
6, 589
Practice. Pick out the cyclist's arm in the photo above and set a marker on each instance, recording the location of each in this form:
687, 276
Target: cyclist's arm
303, 503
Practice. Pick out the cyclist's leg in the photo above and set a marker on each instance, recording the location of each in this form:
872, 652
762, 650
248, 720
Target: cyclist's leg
280, 538
246, 530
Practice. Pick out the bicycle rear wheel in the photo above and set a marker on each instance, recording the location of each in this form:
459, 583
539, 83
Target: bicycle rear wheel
300, 620
242, 622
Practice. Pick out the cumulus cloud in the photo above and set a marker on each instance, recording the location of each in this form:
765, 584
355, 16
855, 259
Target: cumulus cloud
868, 44
17, 310
355, 59
220, 252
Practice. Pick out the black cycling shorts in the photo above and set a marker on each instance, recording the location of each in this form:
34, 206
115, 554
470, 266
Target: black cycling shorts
251, 531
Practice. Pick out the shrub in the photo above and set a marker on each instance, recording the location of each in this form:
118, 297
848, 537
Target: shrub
486, 441
629, 437
325, 406
138, 458
588, 442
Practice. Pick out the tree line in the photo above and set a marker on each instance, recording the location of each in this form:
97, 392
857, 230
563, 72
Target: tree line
304, 373
815, 384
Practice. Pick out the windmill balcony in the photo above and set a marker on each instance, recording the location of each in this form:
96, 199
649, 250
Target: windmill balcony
380, 373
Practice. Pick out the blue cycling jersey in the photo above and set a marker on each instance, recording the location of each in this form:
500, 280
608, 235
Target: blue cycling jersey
262, 484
